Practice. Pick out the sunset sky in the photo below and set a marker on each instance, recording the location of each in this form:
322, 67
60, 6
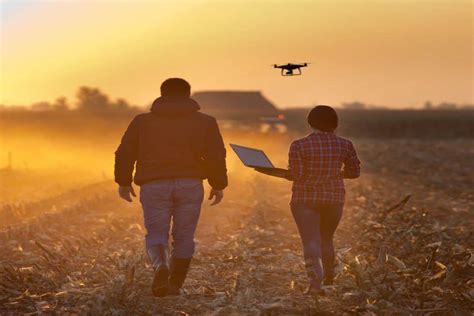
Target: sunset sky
394, 53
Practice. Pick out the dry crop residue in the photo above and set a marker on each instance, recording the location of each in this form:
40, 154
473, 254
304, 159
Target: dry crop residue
404, 246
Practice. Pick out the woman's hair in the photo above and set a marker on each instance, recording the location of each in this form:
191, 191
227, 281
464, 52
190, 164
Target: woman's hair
323, 118
175, 87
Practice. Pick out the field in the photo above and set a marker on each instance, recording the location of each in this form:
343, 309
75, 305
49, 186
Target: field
68, 244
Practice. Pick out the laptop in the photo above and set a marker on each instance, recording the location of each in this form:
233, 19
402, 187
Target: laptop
253, 158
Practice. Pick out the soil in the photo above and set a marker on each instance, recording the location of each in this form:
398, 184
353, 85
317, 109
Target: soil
404, 246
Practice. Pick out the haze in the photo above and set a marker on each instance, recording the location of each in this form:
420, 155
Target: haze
392, 53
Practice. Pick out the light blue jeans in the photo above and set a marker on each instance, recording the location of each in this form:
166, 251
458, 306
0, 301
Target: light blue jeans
176, 200
316, 225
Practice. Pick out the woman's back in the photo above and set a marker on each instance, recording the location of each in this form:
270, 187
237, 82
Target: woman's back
318, 163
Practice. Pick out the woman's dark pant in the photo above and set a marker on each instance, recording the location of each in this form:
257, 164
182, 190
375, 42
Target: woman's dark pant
316, 225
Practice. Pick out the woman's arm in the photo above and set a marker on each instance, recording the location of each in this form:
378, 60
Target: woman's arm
295, 166
275, 172
295, 162
351, 168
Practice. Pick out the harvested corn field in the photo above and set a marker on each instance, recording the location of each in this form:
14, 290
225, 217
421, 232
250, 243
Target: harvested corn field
404, 245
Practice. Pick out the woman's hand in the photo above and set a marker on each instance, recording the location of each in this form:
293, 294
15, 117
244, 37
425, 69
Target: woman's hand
275, 172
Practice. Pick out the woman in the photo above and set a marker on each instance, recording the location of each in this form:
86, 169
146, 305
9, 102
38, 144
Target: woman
318, 163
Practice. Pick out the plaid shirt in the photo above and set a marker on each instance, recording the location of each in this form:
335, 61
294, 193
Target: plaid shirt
318, 163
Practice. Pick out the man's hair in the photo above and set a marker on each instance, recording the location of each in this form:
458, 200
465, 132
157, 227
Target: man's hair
175, 87
323, 118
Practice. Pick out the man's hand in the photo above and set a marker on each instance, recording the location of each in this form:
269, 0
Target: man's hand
125, 193
218, 194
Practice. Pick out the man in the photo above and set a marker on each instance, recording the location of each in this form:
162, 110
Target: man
174, 147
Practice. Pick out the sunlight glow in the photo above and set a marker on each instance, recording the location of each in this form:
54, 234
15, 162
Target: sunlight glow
395, 53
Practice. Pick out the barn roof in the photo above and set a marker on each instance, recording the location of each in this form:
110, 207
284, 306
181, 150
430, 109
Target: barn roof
227, 104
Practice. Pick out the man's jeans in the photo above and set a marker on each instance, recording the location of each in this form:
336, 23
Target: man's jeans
316, 225
172, 199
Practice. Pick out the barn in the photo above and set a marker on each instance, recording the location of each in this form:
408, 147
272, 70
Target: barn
236, 105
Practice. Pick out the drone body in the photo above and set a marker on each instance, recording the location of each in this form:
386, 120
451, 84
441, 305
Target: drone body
289, 69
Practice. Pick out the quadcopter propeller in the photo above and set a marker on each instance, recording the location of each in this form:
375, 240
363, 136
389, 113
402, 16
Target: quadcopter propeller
274, 65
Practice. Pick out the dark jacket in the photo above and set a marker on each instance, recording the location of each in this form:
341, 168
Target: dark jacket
173, 140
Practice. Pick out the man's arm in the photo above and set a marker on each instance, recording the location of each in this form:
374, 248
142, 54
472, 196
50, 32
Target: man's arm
351, 169
214, 160
125, 158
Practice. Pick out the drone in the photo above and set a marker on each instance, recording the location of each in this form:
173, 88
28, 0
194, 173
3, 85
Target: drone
288, 69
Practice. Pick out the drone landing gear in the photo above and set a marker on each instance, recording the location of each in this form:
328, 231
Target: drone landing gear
287, 73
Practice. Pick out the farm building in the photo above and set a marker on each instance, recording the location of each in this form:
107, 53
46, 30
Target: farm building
235, 105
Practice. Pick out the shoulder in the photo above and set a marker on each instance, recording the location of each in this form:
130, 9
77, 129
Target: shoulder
297, 143
137, 120
301, 141
204, 120
140, 117
204, 117
345, 141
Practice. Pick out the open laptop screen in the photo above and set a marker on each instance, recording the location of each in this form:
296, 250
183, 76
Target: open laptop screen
252, 157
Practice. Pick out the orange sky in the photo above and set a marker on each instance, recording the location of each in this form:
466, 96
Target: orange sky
395, 53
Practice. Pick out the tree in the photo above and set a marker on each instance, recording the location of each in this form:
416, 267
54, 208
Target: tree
41, 106
354, 105
60, 104
121, 105
447, 106
92, 100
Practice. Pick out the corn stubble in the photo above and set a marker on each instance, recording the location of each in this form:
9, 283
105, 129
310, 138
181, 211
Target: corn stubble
404, 247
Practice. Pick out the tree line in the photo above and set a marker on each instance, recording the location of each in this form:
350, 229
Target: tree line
428, 105
88, 100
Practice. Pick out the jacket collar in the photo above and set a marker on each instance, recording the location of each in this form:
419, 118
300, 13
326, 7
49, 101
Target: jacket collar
167, 106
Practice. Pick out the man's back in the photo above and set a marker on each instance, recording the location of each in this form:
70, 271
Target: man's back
174, 140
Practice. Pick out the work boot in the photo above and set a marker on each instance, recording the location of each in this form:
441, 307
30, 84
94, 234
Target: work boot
313, 277
314, 291
328, 268
328, 279
179, 269
159, 257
